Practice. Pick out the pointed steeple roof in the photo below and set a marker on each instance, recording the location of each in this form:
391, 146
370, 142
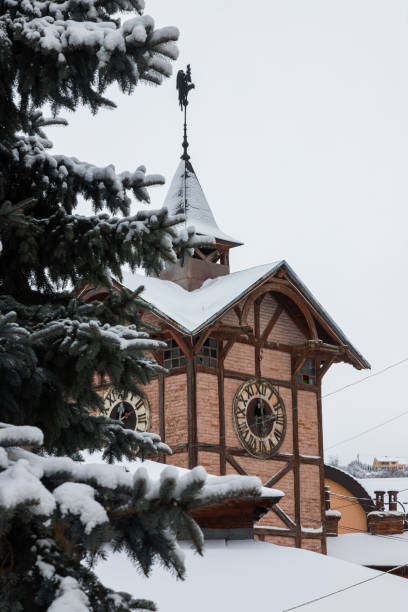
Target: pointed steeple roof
185, 196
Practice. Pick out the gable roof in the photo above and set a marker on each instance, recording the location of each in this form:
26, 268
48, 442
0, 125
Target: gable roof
186, 197
192, 311
350, 483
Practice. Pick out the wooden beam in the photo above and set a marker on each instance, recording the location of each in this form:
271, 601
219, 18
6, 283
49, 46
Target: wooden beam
179, 448
221, 409
321, 464
296, 467
279, 474
191, 414
296, 297
248, 376
236, 465
297, 364
272, 322
323, 369
241, 452
238, 312
204, 336
257, 308
162, 416
187, 350
226, 349
283, 517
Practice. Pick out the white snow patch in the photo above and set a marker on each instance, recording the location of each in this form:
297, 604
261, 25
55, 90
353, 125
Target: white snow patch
70, 597
191, 309
18, 485
11, 435
219, 580
79, 499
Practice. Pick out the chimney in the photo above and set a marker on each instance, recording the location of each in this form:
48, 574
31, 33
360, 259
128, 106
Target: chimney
332, 516
386, 522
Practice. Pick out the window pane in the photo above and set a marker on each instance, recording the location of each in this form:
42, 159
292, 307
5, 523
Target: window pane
167, 363
214, 353
176, 363
182, 361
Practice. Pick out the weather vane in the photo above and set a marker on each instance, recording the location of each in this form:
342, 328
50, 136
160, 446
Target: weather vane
184, 86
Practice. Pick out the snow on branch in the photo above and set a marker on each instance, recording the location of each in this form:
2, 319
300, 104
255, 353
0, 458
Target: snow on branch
74, 507
58, 35
100, 184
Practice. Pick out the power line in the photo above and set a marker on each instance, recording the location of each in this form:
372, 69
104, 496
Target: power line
350, 496
357, 382
362, 433
351, 586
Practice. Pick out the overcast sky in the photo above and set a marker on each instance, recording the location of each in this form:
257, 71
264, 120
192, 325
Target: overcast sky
298, 132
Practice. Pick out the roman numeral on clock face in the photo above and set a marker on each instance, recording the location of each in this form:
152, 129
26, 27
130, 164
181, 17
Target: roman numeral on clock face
259, 418
130, 409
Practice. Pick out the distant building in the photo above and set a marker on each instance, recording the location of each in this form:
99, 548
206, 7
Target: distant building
388, 463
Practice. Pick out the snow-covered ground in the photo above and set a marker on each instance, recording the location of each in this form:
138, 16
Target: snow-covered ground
240, 576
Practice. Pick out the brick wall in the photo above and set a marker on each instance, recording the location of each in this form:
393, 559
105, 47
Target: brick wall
275, 364
308, 423
208, 425
175, 409
211, 462
310, 506
285, 331
241, 358
267, 309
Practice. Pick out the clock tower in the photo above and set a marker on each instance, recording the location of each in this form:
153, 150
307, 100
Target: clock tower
245, 356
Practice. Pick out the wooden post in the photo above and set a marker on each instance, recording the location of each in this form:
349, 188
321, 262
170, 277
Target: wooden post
221, 408
321, 465
192, 413
162, 416
296, 464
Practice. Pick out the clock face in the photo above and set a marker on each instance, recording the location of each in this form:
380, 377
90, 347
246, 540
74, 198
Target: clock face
259, 418
132, 411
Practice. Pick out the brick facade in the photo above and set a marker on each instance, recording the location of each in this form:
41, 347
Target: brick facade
274, 364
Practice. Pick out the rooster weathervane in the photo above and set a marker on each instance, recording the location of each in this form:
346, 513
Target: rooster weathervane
184, 86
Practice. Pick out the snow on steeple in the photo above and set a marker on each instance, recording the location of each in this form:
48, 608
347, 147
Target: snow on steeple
185, 196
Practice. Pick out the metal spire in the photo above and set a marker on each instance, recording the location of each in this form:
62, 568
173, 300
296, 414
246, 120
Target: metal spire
184, 86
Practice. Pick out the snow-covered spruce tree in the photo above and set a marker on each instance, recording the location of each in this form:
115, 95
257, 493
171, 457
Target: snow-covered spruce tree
56, 513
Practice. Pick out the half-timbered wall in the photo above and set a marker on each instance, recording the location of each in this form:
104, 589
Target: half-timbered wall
192, 410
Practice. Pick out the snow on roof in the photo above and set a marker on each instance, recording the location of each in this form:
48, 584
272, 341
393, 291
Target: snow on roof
192, 309
186, 197
249, 575
387, 484
368, 549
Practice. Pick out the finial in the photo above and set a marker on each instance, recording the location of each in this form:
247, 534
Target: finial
184, 86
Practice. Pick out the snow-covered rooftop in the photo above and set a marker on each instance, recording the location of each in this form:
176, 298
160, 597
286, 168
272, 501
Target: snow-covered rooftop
368, 549
249, 575
192, 309
186, 197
